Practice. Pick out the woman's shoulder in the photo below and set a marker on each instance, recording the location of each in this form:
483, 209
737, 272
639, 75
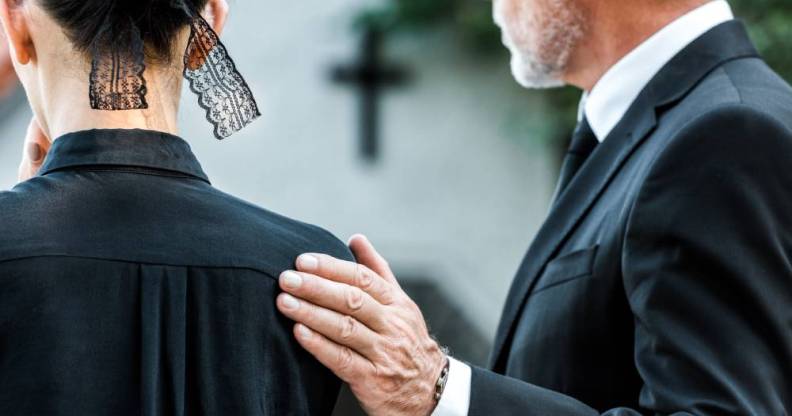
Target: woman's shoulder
274, 232
186, 225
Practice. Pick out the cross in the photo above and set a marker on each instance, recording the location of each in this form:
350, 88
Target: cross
370, 77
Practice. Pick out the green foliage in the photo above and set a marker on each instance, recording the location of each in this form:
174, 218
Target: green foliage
769, 21
471, 19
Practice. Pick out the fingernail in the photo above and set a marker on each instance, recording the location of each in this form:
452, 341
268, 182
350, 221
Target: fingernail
34, 152
303, 332
291, 280
307, 262
349, 242
290, 303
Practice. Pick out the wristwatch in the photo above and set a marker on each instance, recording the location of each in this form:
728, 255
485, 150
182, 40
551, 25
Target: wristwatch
441, 382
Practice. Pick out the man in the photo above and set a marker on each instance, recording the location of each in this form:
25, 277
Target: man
661, 282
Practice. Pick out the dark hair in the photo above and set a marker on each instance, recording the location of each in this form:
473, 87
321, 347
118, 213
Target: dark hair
104, 26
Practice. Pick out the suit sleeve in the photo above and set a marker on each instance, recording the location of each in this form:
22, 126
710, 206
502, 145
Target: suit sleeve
708, 275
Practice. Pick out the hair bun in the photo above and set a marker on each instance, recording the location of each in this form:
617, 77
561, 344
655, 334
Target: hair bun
110, 26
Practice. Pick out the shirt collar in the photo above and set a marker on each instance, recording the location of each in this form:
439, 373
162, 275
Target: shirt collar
607, 103
124, 148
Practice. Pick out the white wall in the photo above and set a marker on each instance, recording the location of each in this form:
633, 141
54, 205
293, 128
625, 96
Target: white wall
463, 181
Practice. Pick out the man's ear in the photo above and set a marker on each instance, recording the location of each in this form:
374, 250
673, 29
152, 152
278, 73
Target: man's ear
215, 12
13, 15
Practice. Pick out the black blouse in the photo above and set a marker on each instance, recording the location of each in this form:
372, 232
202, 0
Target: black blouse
130, 286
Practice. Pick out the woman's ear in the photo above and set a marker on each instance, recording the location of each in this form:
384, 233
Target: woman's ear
216, 13
14, 16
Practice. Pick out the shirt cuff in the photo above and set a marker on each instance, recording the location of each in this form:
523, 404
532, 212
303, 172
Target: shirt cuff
455, 400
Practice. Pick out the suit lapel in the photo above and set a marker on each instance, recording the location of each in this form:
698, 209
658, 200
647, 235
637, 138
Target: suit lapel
570, 208
725, 42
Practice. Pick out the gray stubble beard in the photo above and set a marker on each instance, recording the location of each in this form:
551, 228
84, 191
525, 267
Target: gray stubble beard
543, 62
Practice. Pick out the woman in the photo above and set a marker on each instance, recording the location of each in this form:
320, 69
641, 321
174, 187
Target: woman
128, 284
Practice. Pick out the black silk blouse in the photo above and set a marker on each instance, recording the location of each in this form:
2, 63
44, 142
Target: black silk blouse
130, 286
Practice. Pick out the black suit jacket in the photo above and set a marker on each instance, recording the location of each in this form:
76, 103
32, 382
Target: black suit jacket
131, 286
661, 283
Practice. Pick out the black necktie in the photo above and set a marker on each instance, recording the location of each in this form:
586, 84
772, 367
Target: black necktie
583, 144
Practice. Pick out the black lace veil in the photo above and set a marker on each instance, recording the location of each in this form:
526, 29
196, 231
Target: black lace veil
221, 90
117, 82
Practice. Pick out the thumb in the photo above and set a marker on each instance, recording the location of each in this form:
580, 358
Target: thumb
367, 255
35, 151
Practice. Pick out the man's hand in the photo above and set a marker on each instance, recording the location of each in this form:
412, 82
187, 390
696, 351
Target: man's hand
34, 151
356, 320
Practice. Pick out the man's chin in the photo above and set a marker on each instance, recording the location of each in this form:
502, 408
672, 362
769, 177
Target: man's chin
532, 76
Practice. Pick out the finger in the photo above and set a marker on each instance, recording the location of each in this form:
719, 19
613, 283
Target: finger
338, 297
348, 365
349, 273
342, 329
366, 254
36, 144
32, 160
35, 151
36, 135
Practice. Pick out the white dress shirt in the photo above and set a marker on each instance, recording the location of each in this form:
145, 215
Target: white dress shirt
606, 103
604, 106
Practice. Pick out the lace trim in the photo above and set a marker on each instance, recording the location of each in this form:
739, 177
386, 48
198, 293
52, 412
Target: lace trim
116, 81
221, 89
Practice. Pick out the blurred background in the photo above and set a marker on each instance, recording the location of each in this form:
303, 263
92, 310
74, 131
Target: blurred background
398, 119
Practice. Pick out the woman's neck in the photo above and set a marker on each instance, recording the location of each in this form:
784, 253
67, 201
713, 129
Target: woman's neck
67, 108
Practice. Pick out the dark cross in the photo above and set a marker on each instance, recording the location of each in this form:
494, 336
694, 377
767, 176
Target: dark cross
370, 76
